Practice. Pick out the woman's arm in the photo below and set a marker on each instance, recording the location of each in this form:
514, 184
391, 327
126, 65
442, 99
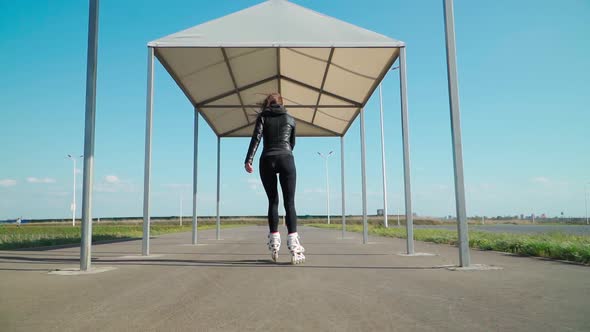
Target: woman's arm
255, 141
292, 138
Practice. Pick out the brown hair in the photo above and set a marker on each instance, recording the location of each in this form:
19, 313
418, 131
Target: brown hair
273, 98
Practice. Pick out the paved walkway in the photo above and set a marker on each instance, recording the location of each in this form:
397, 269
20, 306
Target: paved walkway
231, 285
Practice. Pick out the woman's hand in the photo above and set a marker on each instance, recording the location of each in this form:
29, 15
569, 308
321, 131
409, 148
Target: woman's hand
248, 167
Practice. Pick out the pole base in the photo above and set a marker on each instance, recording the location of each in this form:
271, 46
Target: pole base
139, 256
77, 272
416, 254
475, 267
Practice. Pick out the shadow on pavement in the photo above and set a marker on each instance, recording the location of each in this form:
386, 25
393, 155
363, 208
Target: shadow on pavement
198, 263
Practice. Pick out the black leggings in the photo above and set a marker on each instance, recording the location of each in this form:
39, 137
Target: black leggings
284, 165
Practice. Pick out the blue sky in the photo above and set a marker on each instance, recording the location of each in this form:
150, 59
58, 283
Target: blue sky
523, 82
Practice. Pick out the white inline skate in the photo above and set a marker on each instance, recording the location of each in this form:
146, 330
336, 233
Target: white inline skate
295, 248
274, 245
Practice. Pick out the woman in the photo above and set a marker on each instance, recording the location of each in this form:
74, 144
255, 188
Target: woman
276, 128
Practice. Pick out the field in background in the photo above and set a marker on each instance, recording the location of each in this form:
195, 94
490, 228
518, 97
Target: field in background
555, 245
58, 232
336, 219
42, 235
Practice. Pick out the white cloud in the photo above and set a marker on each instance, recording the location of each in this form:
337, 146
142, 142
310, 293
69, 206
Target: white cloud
105, 188
540, 179
112, 179
40, 180
7, 183
113, 184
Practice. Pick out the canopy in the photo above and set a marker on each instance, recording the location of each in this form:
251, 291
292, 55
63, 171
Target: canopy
326, 69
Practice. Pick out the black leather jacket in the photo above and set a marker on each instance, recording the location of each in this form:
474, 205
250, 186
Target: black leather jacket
277, 128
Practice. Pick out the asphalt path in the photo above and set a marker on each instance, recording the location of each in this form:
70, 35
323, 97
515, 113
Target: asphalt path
231, 285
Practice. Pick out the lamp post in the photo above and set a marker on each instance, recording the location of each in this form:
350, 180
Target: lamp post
327, 183
180, 216
586, 200
385, 213
73, 206
383, 159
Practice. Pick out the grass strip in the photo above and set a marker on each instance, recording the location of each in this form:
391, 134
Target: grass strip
554, 245
32, 236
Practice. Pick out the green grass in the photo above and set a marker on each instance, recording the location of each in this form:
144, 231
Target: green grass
32, 236
553, 245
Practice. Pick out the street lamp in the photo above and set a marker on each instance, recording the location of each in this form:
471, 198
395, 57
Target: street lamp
586, 200
383, 159
73, 206
180, 217
327, 183
383, 168
383, 156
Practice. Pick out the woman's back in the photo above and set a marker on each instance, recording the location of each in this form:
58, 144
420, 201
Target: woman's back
276, 128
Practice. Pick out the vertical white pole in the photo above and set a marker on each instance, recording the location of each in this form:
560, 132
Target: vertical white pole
145, 248
385, 223
342, 185
406, 151
364, 179
327, 190
586, 201
90, 116
195, 174
180, 216
74, 198
464, 256
218, 186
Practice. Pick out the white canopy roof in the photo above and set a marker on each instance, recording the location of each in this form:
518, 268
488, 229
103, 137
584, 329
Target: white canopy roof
326, 69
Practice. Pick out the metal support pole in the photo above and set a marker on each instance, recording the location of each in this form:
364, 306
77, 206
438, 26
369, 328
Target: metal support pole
145, 244
195, 174
383, 160
464, 257
343, 185
364, 178
218, 185
406, 151
90, 116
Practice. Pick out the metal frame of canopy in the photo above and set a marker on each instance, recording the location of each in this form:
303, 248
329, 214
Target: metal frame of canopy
406, 156
85, 252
